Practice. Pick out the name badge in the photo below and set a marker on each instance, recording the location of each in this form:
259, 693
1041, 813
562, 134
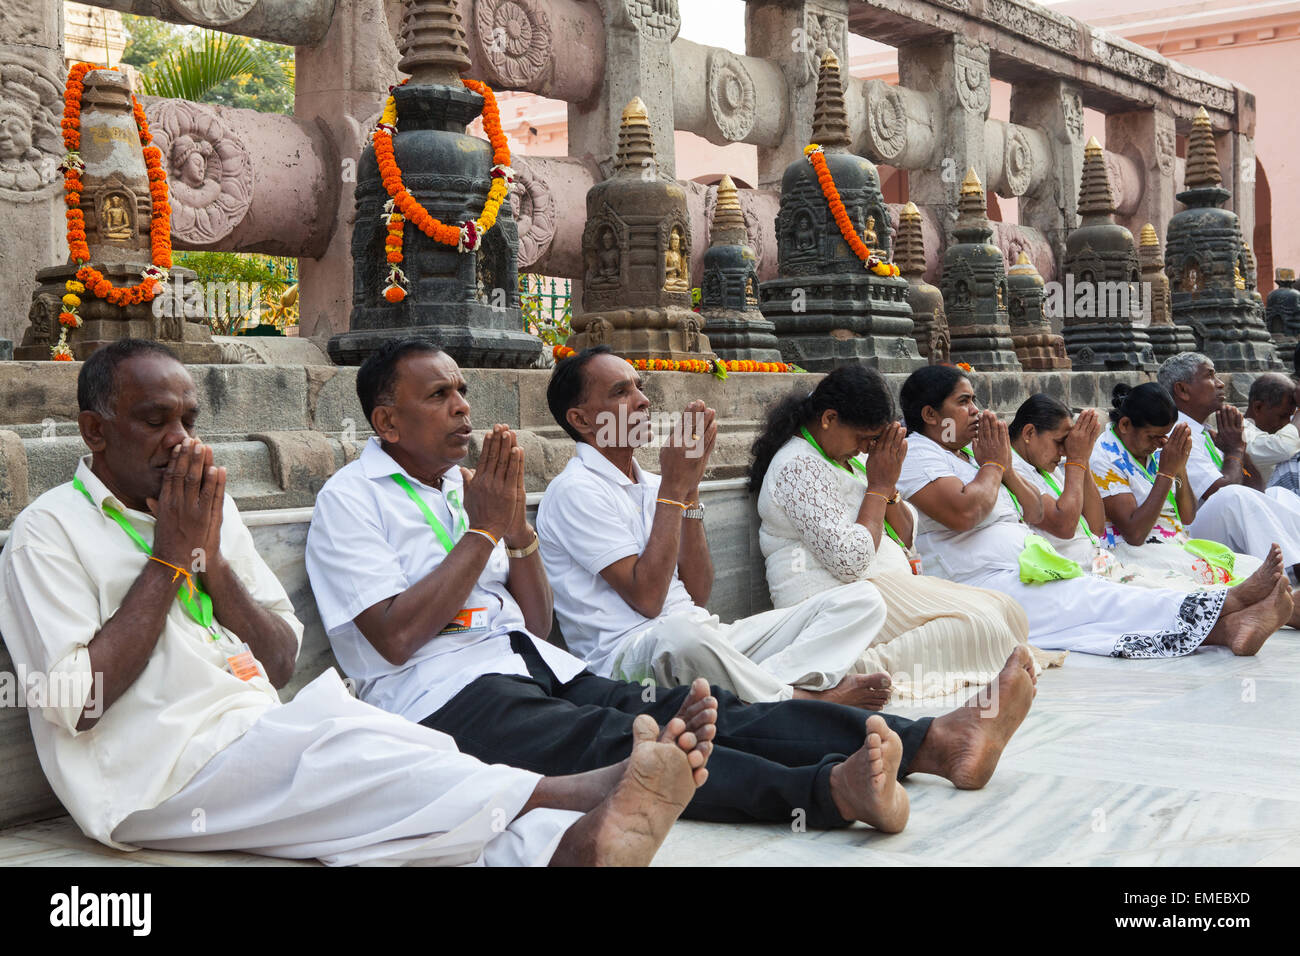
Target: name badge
242, 664
467, 619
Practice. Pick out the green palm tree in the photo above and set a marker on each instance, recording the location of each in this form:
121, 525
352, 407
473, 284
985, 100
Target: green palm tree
190, 73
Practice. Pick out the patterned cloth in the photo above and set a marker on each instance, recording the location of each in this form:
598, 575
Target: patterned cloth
1287, 475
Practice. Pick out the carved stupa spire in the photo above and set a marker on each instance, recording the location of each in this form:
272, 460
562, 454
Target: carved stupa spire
635, 143
431, 39
1149, 249
830, 128
728, 226
1202, 157
1095, 197
909, 243
971, 207
1023, 266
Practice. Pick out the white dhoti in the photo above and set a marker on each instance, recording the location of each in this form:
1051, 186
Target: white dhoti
326, 776
812, 645
1166, 564
1250, 521
1096, 616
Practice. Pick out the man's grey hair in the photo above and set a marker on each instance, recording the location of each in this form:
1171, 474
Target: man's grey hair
1180, 368
1270, 389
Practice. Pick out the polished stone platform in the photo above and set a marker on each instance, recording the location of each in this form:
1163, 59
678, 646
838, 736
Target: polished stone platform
1186, 762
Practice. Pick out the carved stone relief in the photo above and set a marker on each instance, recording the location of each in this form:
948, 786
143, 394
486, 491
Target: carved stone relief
516, 39
534, 207
1036, 23
212, 13
1166, 146
823, 30
731, 94
209, 172
656, 19
971, 75
1018, 160
887, 120
1072, 109
31, 144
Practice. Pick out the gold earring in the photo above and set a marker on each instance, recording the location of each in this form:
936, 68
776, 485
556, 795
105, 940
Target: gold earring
823, 426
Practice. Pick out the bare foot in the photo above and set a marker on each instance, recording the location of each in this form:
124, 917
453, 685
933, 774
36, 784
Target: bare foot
1258, 586
869, 691
1245, 632
628, 827
965, 745
865, 787
694, 727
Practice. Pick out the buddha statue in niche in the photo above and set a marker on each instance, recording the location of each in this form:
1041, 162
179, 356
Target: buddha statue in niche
675, 268
117, 221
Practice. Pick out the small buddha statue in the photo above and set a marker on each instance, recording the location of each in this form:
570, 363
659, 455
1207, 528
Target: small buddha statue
869, 233
1238, 280
117, 223
1191, 279
607, 260
675, 277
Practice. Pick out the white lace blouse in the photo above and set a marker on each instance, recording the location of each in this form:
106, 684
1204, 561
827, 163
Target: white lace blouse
808, 528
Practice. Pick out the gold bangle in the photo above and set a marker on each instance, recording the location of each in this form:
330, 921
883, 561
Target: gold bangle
1077, 464
486, 534
523, 552
995, 465
670, 501
1163, 474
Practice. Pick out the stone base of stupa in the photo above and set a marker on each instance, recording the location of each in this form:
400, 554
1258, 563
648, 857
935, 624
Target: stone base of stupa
669, 333
738, 336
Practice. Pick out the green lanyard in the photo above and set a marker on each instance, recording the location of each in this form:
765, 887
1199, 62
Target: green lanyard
1014, 500
861, 468
1214, 452
1173, 501
1051, 483
198, 604
439, 529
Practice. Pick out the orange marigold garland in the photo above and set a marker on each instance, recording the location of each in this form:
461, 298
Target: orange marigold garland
719, 368
817, 158
403, 206
90, 280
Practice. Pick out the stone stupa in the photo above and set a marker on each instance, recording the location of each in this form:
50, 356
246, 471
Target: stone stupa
929, 324
117, 207
729, 293
1282, 311
828, 307
1037, 346
1205, 260
974, 286
1104, 323
1167, 338
466, 302
636, 289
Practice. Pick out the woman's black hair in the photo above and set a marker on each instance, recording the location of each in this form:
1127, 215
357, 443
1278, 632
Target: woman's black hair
1146, 405
857, 394
1041, 411
929, 385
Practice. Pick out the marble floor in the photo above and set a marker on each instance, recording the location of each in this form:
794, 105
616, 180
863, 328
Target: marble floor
1183, 762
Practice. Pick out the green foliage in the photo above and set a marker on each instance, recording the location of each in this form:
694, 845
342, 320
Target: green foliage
547, 308
210, 67
272, 276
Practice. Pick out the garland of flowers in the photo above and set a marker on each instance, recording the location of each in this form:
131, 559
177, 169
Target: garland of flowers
877, 265
160, 229
719, 367
402, 206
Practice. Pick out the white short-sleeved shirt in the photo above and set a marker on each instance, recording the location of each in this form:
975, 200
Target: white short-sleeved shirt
1201, 469
993, 544
591, 516
64, 572
369, 541
1078, 548
1268, 451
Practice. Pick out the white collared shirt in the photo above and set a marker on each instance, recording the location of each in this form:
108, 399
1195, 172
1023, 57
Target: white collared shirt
1267, 450
1078, 548
591, 516
63, 573
1201, 469
369, 541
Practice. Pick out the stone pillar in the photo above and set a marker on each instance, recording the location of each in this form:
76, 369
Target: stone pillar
31, 189
794, 35
1055, 108
638, 41
1149, 137
954, 71
340, 88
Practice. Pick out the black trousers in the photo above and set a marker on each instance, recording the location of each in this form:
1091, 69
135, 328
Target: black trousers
769, 759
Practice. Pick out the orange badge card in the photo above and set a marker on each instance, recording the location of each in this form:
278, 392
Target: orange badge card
467, 619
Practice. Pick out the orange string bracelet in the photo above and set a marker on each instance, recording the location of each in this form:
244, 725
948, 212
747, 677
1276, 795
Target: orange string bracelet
189, 578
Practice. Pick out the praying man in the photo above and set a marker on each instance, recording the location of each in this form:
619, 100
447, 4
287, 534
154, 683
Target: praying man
1272, 430
138, 584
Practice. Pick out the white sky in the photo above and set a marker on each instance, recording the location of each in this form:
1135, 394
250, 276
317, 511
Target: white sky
714, 22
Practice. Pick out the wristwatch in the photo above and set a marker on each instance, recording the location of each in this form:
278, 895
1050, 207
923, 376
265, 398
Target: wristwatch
695, 511
523, 552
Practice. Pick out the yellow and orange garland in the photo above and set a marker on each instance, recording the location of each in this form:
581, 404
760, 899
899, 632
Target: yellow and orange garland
817, 158
403, 206
720, 368
160, 241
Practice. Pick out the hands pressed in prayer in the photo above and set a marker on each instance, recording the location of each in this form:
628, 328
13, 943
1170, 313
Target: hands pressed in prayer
1176, 450
1230, 424
494, 491
189, 506
1083, 435
685, 456
992, 444
885, 462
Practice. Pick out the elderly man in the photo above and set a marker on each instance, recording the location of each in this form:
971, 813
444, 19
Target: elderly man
627, 552
1271, 430
432, 592
1233, 509
167, 731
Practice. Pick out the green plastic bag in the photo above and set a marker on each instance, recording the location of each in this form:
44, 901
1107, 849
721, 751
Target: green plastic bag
1040, 562
1215, 554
